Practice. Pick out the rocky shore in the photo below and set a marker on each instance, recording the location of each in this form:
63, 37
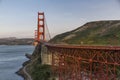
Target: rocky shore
33, 69
34, 59
21, 72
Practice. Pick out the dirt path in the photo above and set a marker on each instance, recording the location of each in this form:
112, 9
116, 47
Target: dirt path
28, 76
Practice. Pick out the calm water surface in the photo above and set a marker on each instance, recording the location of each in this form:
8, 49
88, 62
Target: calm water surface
11, 59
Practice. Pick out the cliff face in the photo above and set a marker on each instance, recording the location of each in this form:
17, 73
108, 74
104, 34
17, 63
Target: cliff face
92, 33
35, 68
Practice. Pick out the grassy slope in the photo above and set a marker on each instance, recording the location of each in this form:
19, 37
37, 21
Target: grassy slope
93, 33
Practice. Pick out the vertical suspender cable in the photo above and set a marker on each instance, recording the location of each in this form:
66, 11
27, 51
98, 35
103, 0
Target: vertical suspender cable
47, 28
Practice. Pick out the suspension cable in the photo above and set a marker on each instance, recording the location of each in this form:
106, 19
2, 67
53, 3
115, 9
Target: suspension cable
47, 28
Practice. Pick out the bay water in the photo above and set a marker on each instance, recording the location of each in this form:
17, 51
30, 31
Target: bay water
11, 59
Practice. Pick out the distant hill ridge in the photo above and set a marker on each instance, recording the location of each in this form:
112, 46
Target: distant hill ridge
92, 33
16, 41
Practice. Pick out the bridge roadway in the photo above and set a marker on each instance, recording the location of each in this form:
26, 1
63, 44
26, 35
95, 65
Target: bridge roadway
73, 62
83, 47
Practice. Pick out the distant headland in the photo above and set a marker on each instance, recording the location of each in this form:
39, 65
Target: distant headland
16, 41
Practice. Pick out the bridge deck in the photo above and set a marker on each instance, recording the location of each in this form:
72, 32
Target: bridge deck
83, 47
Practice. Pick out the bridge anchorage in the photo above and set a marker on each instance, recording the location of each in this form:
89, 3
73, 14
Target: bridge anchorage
81, 62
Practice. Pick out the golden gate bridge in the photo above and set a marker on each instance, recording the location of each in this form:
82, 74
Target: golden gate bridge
80, 62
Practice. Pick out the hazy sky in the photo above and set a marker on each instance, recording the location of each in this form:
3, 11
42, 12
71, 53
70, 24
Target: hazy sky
18, 18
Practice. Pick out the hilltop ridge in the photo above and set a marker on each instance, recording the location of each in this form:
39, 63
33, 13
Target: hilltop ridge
92, 33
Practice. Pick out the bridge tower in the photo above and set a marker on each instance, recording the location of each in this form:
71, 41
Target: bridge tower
40, 32
41, 27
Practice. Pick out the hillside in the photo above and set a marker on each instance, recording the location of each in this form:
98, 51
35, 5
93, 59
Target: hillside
16, 41
92, 33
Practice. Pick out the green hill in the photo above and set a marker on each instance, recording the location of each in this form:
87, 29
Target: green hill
92, 33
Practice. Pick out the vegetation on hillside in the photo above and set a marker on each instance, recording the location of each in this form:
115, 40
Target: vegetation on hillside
92, 33
41, 72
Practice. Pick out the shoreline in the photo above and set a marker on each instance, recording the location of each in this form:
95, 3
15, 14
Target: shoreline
34, 67
21, 71
31, 58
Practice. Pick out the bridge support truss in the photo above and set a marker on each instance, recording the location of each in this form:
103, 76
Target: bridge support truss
85, 63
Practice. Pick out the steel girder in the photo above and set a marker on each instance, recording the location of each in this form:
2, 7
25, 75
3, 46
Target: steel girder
85, 64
